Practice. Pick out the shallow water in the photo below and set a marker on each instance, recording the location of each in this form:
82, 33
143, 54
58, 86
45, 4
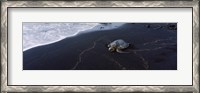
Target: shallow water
38, 34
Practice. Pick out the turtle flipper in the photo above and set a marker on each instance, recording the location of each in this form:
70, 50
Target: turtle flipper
120, 51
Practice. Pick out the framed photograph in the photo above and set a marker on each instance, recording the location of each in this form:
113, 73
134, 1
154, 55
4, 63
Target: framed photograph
100, 46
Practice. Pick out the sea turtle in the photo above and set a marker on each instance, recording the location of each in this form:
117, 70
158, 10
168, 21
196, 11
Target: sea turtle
118, 45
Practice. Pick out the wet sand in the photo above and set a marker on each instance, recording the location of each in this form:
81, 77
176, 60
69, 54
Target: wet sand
153, 47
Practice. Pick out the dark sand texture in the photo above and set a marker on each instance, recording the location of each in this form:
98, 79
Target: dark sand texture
152, 47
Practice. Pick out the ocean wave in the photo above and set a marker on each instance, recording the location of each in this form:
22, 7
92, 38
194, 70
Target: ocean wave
38, 34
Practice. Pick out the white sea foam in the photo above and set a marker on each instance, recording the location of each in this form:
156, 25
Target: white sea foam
38, 34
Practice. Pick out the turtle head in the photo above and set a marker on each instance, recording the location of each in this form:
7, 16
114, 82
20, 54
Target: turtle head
108, 45
111, 49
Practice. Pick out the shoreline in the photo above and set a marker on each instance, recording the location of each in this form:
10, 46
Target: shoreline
154, 49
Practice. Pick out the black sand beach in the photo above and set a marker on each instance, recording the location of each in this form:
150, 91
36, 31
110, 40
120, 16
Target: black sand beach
153, 47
